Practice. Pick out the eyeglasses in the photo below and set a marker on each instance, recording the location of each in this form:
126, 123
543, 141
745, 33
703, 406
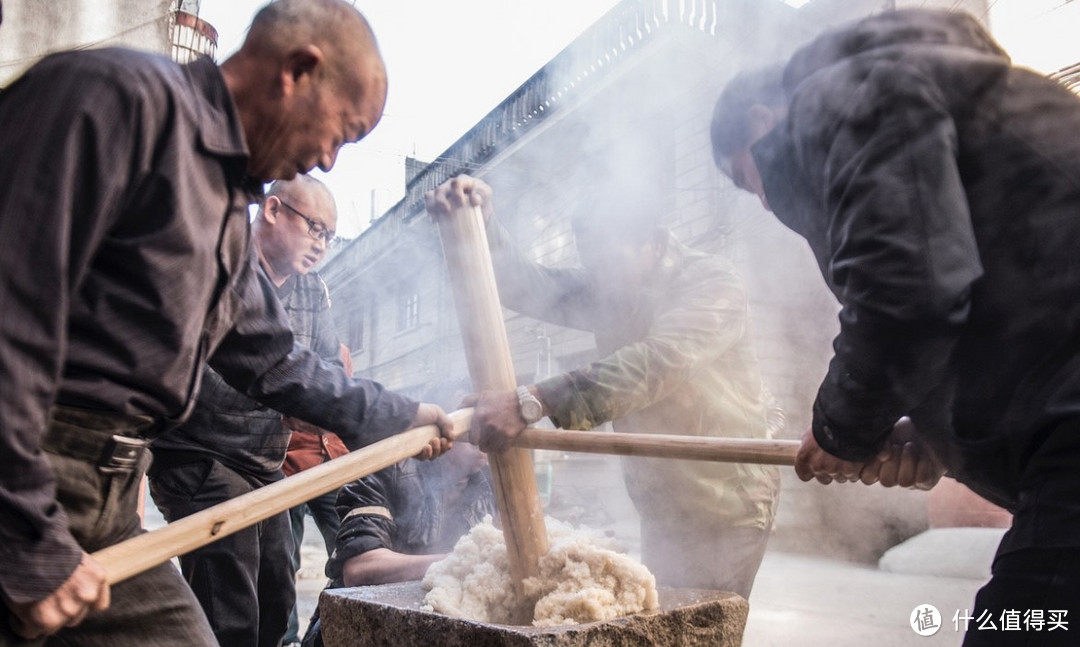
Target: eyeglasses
316, 229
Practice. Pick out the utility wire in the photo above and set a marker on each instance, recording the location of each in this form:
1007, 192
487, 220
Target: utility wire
28, 59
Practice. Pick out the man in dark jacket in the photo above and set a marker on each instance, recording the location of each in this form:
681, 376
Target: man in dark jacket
124, 185
939, 189
232, 445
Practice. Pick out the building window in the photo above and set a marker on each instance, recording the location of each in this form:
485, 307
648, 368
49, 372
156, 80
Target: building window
408, 309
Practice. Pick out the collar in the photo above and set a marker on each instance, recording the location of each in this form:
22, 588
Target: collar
774, 156
220, 129
791, 194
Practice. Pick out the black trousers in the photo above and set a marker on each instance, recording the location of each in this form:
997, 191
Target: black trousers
321, 509
153, 609
1032, 600
245, 581
1035, 579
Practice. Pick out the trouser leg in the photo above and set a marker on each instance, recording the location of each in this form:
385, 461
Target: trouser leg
152, 609
225, 575
296, 523
1031, 600
1035, 578
725, 559
277, 580
326, 519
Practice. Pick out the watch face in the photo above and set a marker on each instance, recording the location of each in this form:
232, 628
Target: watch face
531, 410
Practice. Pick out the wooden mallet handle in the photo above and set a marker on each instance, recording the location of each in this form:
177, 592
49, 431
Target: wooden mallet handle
182, 536
697, 448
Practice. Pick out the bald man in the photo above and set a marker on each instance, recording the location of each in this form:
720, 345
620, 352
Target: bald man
231, 444
127, 264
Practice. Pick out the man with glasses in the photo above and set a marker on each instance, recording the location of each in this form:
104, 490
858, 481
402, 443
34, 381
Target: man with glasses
232, 444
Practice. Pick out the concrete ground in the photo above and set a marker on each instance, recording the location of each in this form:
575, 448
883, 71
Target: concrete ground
799, 600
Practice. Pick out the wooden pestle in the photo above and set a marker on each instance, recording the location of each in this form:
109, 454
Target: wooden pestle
487, 351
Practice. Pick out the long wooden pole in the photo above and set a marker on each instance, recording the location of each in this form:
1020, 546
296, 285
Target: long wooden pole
182, 536
146, 551
696, 448
487, 351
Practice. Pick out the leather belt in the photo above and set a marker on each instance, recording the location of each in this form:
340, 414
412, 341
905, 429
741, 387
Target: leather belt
109, 440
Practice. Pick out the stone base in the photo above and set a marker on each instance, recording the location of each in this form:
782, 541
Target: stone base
390, 615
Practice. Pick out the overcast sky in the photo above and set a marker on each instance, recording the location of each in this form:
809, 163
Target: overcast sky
449, 63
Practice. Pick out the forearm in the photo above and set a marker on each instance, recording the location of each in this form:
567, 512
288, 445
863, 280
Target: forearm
900, 251
260, 359
383, 566
359, 411
556, 295
882, 370
39, 552
56, 203
707, 322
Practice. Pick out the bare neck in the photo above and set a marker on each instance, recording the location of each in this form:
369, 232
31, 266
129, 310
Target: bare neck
276, 277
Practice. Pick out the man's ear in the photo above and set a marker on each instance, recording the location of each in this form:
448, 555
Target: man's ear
761, 119
270, 209
299, 67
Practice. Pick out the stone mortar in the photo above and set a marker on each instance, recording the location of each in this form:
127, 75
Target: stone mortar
390, 615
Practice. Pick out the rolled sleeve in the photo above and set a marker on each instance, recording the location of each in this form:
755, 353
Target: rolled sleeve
367, 520
259, 357
705, 318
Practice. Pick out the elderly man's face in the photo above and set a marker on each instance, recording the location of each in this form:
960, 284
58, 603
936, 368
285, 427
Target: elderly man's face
313, 126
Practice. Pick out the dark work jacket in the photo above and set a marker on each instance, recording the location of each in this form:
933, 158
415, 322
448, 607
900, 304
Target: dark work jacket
127, 264
402, 508
939, 189
235, 429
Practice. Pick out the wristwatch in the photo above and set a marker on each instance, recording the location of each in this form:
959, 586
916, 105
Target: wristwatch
530, 407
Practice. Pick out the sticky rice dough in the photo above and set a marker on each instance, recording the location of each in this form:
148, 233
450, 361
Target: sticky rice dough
582, 579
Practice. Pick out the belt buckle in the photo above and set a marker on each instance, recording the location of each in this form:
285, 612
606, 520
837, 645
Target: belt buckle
121, 454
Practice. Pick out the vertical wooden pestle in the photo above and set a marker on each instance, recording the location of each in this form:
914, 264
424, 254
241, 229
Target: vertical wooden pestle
487, 350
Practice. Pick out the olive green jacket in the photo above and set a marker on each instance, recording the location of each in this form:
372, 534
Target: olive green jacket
675, 358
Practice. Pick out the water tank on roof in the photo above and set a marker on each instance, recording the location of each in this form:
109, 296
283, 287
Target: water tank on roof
190, 35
